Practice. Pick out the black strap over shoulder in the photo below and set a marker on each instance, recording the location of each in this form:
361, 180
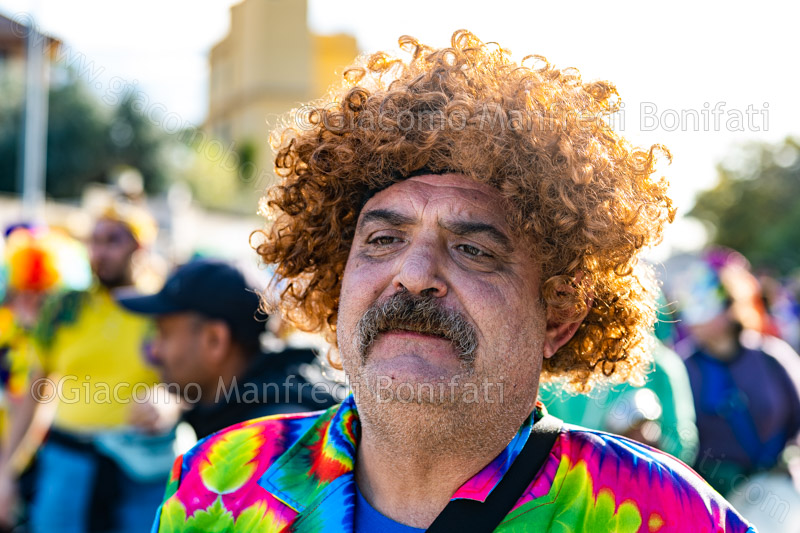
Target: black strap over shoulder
474, 516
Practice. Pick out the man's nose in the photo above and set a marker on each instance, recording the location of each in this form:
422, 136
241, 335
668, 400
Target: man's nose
420, 270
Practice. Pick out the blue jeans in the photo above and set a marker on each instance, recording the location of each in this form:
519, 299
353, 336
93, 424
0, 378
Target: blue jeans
65, 486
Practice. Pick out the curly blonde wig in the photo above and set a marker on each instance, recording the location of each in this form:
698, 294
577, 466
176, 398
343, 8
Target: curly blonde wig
585, 199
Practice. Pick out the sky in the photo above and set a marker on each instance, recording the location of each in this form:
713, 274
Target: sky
701, 78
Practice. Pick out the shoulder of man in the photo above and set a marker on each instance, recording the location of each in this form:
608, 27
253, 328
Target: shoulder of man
777, 349
598, 481
230, 463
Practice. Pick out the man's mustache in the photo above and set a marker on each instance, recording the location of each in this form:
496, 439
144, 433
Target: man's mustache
421, 314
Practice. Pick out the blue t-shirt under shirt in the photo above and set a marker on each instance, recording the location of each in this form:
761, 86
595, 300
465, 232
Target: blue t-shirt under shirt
368, 520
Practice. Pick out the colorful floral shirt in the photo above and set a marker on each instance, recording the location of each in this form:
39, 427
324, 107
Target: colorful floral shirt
295, 473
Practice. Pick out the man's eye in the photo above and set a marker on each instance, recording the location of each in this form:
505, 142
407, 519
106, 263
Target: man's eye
472, 250
383, 240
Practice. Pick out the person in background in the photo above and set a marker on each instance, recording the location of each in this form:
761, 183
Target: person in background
105, 456
31, 270
208, 344
745, 383
784, 309
660, 413
32, 273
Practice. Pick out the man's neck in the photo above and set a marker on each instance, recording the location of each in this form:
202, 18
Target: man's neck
723, 348
410, 477
112, 285
234, 365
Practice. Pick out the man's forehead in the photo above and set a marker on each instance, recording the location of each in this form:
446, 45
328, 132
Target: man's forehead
178, 318
105, 226
450, 181
461, 194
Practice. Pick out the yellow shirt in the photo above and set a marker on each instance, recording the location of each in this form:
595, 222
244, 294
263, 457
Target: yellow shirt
96, 358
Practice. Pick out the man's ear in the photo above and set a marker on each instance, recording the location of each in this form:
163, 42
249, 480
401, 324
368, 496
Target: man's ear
217, 338
557, 334
561, 326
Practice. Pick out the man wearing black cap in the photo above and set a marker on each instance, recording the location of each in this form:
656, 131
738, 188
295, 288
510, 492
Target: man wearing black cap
208, 346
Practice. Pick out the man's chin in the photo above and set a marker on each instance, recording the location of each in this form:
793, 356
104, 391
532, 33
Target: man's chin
111, 282
411, 385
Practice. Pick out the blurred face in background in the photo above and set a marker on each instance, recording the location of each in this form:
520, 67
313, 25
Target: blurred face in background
734, 305
717, 336
111, 248
177, 348
188, 348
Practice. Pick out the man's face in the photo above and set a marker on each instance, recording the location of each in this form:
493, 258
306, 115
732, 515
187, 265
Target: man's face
444, 237
111, 247
178, 349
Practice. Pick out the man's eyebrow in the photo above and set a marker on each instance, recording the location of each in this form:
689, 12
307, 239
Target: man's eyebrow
467, 227
387, 216
459, 227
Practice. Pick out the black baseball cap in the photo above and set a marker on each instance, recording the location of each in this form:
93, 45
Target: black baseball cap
211, 288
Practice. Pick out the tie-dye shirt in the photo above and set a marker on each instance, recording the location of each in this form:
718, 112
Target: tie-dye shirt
295, 473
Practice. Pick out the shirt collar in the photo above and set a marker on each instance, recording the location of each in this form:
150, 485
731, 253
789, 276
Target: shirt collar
323, 454
479, 486
326, 452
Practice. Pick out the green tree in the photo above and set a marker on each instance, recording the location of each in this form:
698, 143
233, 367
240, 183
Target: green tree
10, 128
77, 132
86, 140
754, 206
134, 141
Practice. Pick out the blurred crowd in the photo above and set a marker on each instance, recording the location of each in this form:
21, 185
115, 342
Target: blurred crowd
102, 385
724, 391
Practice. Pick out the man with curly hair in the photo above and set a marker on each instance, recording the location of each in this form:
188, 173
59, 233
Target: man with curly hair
460, 227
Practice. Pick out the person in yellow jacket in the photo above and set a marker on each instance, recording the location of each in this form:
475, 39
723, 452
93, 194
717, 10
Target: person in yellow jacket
108, 450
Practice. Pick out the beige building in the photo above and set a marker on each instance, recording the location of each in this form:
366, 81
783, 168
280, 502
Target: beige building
268, 63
